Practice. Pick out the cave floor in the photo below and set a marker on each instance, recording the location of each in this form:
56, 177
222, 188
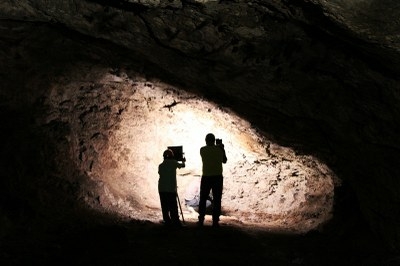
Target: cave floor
148, 243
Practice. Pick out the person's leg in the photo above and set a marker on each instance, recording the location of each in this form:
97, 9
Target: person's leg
165, 207
192, 205
204, 191
173, 208
217, 196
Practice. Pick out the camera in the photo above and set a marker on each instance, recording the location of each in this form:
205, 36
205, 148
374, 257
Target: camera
178, 153
218, 141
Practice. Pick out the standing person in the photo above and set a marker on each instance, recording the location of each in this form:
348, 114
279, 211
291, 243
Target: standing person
167, 188
213, 156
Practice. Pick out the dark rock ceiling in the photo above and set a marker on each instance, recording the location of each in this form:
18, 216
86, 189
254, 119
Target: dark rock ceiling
318, 76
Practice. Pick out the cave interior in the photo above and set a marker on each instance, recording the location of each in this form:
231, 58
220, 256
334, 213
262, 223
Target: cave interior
304, 94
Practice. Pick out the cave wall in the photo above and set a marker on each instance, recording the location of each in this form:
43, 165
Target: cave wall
320, 77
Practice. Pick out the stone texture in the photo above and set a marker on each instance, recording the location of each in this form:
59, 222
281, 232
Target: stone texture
318, 76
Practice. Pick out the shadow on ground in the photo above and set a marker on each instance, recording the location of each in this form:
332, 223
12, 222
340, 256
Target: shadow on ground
147, 243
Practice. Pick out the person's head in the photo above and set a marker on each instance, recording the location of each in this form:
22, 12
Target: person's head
210, 139
168, 154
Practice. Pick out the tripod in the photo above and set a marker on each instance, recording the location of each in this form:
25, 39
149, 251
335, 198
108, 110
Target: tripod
180, 207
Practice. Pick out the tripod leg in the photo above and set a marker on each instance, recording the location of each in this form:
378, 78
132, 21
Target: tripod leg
180, 207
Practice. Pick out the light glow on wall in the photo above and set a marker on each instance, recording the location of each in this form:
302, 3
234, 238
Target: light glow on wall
264, 183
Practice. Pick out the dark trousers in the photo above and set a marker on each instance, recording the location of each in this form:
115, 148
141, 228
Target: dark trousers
169, 207
214, 184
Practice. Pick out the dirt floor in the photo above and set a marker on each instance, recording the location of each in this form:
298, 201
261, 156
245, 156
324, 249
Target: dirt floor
105, 241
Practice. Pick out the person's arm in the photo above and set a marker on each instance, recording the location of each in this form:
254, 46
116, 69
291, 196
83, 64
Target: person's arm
180, 165
222, 147
224, 159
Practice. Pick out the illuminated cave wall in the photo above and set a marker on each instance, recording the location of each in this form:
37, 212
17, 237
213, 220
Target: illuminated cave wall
121, 123
85, 125
318, 77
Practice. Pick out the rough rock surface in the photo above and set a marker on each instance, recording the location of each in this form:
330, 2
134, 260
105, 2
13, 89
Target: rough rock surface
320, 77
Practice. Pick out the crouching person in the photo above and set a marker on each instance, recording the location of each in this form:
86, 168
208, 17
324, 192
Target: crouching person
192, 196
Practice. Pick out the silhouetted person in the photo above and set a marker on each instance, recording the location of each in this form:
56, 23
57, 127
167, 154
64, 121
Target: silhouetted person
213, 156
167, 188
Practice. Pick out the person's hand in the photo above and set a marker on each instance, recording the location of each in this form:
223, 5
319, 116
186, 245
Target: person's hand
183, 159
